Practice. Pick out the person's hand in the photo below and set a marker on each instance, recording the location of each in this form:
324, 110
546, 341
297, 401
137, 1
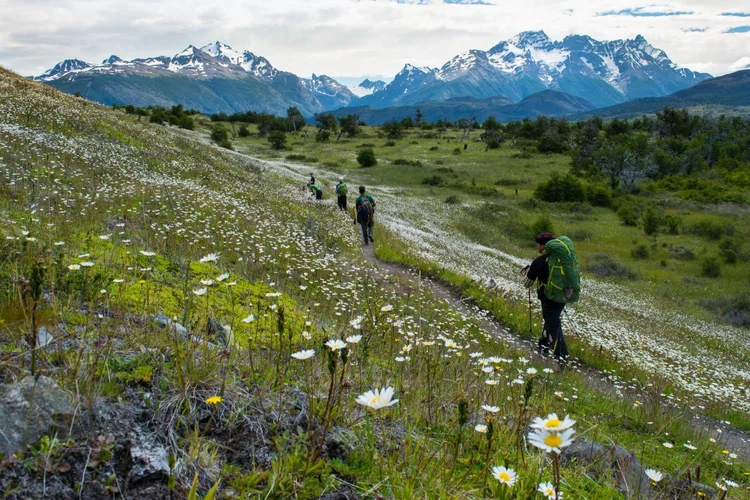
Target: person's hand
525, 270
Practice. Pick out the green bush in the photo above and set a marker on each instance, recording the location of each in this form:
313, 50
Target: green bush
411, 163
652, 221
296, 157
628, 214
452, 200
673, 224
542, 224
728, 250
243, 132
640, 251
322, 136
366, 158
598, 195
457, 151
277, 139
560, 189
220, 135
710, 266
433, 180
389, 144
711, 229
681, 252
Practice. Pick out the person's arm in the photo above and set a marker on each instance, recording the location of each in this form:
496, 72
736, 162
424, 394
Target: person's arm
535, 269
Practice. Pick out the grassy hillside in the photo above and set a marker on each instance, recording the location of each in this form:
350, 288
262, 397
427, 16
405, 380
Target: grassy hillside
127, 242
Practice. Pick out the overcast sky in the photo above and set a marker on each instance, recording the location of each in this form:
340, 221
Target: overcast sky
350, 39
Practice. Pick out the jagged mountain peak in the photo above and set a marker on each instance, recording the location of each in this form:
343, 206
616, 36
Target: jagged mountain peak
62, 68
530, 39
112, 60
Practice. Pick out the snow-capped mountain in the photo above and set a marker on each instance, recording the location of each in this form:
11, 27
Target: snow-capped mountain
63, 68
604, 73
367, 87
212, 78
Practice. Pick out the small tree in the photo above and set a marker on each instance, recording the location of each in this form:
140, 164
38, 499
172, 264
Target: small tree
652, 221
243, 132
366, 157
393, 129
220, 136
277, 139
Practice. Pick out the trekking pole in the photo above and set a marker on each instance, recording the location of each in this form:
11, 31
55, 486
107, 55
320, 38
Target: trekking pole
530, 331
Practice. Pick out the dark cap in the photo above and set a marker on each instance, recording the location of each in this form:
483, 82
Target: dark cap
543, 238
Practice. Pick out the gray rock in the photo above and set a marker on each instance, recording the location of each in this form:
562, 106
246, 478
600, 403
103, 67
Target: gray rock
150, 460
628, 473
43, 337
165, 322
30, 410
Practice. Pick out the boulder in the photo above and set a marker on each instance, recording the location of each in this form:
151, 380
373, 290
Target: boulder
165, 322
31, 409
150, 460
43, 337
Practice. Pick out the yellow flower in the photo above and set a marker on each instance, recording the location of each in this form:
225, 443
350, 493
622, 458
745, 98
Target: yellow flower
214, 400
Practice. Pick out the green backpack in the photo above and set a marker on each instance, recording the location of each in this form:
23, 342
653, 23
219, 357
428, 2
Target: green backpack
342, 189
564, 283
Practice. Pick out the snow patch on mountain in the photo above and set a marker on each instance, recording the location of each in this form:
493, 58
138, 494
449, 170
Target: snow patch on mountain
367, 87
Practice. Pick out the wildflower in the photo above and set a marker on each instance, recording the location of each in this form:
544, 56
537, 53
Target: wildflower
213, 400
668, 445
450, 344
552, 423
212, 257
147, 254
303, 287
481, 428
207, 282
551, 441
491, 381
336, 345
690, 446
548, 490
249, 319
87, 264
222, 277
306, 335
200, 291
118, 280
491, 409
386, 308
401, 359
354, 339
232, 283
105, 237
654, 475
531, 371
548, 370
505, 476
731, 484
59, 243
379, 398
304, 354
74, 267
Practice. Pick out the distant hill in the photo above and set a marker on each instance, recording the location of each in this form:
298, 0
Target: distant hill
721, 94
546, 102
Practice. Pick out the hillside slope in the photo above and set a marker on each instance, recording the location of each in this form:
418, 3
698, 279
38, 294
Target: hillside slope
209, 323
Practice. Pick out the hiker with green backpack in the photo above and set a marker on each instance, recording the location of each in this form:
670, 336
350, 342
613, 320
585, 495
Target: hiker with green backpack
341, 191
558, 283
364, 207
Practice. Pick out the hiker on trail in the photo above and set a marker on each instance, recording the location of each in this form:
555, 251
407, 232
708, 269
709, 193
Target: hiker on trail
318, 192
364, 206
341, 191
312, 179
558, 282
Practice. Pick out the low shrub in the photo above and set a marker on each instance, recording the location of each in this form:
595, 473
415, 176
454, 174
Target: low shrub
711, 229
366, 145
604, 264
295, 157
434, 148
640, 251
457, 151
452, 200
411, 163
734, 309
366, 158
681, 252
710, 266
389, 144
433, 180
542, 224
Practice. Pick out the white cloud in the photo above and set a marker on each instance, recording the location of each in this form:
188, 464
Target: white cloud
349, 38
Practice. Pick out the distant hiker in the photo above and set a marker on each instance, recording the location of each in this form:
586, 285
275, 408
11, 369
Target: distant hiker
312, 179
341, 191
364, 205
558, 282
318, 192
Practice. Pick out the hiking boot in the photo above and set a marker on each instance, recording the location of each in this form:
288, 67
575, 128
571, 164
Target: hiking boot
372, 239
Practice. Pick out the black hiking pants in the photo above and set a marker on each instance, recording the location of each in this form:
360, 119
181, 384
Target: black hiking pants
367, 225
318, 195
342, 203
553, 334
